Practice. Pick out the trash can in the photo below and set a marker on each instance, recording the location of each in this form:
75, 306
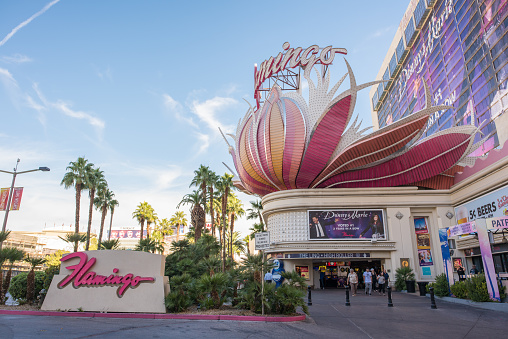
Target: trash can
422, 286
410, 286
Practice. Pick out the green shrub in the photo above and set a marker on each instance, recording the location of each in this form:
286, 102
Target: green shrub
49, 274
401, 275
181, 297
215, 287
287, 299
441, 286
477, 288
18, 285
459, 289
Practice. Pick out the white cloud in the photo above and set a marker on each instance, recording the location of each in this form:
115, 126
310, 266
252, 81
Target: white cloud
107, 74
16, 59
65, 108
204, 142
176, 108
6, 75
27, 21
207, 112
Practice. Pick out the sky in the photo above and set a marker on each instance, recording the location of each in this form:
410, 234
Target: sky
139, 88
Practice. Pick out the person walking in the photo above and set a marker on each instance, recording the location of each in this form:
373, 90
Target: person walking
367, 279
381, 283
374, 279
352, 280
387, 277
462, 273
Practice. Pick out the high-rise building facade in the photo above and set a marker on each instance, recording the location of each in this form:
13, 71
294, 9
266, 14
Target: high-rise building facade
458, 47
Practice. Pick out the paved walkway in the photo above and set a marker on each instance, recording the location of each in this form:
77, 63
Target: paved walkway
411, 316
367, 317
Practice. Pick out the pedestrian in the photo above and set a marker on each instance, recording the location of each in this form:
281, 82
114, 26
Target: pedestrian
322, 279
367, 279
461, 273
268, 277
374, 279
352, 280
473, 270
381, 283
387, 277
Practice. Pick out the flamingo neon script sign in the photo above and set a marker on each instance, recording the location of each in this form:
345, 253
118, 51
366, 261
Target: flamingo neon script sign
292, 58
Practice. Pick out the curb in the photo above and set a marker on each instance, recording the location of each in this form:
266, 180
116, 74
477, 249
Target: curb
301, 317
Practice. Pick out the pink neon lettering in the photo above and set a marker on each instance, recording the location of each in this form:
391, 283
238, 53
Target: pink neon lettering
81, 275
295, 58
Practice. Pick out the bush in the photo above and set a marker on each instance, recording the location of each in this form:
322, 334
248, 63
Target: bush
49, 274
180, 298
477, 288
459, 289
18, 285
401, 275
441, 286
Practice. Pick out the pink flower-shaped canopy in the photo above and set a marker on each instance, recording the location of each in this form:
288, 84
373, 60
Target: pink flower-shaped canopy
289, 144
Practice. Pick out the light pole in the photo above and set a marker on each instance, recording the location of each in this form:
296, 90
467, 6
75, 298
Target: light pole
14, 174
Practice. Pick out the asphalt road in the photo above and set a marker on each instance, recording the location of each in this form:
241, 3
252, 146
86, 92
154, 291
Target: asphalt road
367, 317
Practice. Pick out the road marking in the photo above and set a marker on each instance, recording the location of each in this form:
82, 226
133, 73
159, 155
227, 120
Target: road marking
352, 322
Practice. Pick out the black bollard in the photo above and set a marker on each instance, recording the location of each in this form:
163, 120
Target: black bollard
390, 303
309, 302
347, 296
432, 300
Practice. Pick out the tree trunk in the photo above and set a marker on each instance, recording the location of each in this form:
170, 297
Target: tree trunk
203, 191
76, 226
111, 223
142, 228
212, 211
148, 223
7, 281
30, 286
89, 228
231, 231
103, 217
1, 283
224, 211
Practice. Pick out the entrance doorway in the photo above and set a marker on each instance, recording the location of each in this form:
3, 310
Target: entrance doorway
333, 274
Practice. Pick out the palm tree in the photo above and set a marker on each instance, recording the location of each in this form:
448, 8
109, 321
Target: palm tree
236, 210
178, 220
212, 181
13, 255
246, 240
256, 228
77, 177
30, 279
150, 218
149, 245
112, 244
255, 212
197, 213
102, 201
3, 257
225, 183
95, 180
162, 228
202, 177
74, 239
238, 245
4, 235
112, 204
141, 213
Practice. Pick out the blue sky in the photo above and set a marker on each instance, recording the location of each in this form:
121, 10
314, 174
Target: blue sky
139, 88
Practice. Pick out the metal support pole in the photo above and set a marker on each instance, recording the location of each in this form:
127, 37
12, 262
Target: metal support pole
432, 300
347, 296
309, 302
8, 206
263, 284
390, 303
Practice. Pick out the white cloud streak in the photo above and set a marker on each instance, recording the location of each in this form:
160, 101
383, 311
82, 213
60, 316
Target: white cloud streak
207, 111
16, 59
27, 21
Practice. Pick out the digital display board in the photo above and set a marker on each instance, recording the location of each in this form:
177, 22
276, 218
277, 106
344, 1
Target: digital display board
461, 53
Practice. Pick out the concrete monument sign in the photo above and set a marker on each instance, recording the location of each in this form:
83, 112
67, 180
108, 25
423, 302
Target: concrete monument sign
109, 281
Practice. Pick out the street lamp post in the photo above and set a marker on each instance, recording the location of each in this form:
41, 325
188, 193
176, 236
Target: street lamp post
14, 174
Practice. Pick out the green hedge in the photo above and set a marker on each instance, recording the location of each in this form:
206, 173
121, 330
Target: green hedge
18, 285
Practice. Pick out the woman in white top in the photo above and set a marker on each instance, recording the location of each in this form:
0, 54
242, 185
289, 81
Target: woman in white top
352, 280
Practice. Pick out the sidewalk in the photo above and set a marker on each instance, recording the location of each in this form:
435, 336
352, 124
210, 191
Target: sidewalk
410, 316
493, 306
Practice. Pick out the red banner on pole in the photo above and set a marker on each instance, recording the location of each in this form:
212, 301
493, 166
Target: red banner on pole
4, 195
16, 198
